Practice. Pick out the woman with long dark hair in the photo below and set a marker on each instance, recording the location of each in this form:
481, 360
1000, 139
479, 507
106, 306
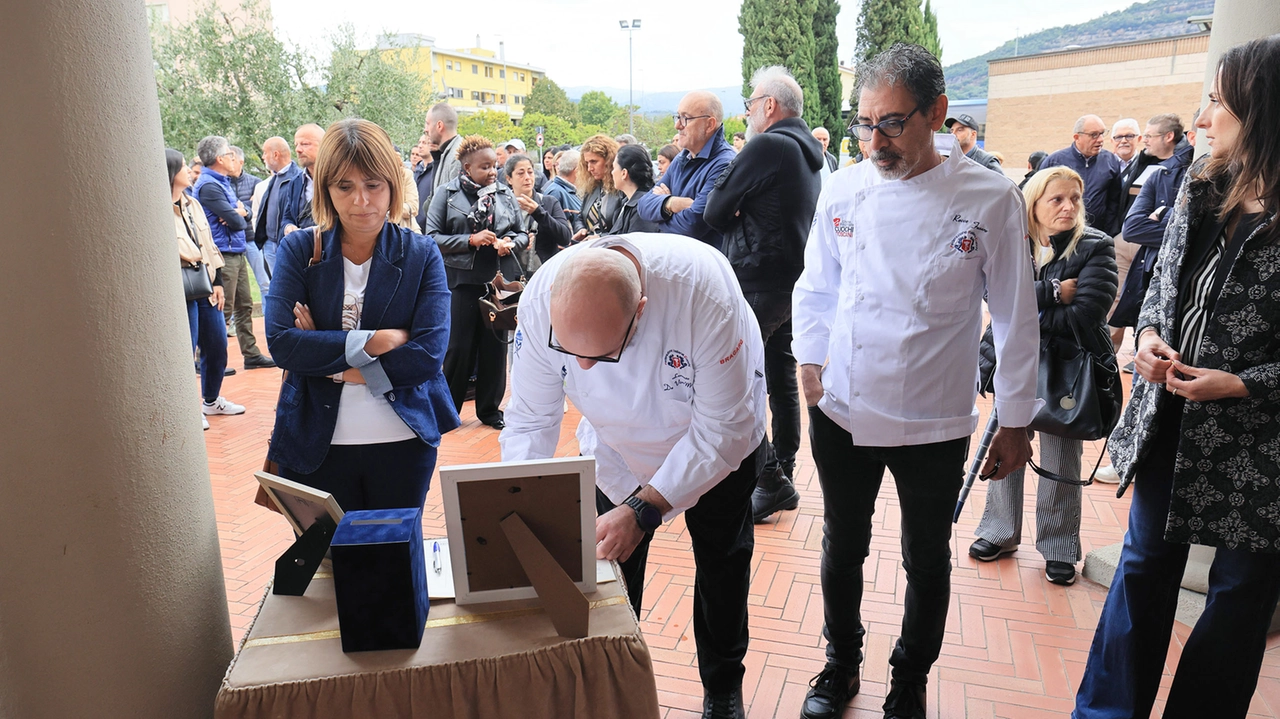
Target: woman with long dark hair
204, 314
1199, 441
362, 333
633, 176
476, 222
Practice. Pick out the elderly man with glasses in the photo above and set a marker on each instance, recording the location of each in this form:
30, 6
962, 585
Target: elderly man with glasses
887, 315
678, 202
1101, 172
667, 369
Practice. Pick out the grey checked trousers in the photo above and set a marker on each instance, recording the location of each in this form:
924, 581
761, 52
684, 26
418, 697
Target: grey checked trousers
1057, 504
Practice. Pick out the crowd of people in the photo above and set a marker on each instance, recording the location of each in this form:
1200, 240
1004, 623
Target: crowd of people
682, 291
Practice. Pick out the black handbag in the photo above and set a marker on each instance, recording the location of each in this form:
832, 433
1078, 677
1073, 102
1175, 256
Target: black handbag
501, 299
195, 282
1081, 390
195, 277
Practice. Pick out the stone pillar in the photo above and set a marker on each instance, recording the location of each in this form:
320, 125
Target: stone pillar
112, 601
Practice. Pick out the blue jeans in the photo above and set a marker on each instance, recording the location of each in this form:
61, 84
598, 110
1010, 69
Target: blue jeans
255, 257
390, 475
209, 334
1218, 671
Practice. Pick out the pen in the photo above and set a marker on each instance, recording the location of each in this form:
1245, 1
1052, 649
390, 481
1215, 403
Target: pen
435, 557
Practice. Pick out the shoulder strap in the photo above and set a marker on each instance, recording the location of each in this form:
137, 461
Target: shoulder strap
316, 252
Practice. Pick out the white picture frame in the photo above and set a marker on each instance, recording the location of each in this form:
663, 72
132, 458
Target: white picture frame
584, 510
299, 504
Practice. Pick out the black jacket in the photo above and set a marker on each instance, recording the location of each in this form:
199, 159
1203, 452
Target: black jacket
629, 219
764, 203
551, 228
1093, 266
448, 224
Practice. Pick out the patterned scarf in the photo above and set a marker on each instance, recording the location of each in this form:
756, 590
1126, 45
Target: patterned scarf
596, 220
481, 215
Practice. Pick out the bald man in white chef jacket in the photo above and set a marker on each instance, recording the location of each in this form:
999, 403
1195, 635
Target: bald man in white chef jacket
651, 339
887, 317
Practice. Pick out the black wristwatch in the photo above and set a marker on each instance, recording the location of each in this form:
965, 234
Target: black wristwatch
647, 515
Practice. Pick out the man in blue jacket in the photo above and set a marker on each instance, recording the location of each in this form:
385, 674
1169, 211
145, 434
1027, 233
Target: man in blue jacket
295, 211
677, 205
1145, 223
1100, 170
226, 221
279, 160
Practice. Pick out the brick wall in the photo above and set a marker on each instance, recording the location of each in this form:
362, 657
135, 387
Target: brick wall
1033, 102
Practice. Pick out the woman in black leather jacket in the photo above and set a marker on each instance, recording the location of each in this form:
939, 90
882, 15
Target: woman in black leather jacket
633, 176
1076, 282
476, 222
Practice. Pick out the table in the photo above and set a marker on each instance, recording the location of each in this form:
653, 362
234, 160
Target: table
480, 661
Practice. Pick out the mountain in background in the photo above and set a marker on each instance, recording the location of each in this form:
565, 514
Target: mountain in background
662, 102
1140, 21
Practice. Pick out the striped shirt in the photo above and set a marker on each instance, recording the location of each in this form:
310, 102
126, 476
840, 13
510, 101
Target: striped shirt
1204, 283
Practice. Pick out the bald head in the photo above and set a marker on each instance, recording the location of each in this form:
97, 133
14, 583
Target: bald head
1088, 132
276, 154
306, 142
595, 294
695, 133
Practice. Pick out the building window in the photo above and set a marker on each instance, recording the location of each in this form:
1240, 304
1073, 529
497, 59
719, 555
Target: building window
475, 95
475, 69
488, 70
502, 73
448, 65
522, 77
455, 92
502, 99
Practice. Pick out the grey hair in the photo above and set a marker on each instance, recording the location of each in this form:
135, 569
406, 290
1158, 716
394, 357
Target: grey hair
626, 139
239, 153
1168, 122
1126, 122
568, 162
910, 65
211, 148
443, 112
776, 82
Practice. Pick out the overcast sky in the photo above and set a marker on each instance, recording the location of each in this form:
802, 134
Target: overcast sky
683, 44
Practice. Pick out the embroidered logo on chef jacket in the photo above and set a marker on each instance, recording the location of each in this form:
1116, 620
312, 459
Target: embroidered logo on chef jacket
967, 240
677, 360
677, 381
843, 229
519, 342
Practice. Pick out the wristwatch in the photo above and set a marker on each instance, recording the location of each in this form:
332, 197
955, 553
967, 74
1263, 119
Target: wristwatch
647, 515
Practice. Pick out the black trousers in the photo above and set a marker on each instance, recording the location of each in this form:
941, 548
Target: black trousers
473, 347
723, 537
773, 314
928, 478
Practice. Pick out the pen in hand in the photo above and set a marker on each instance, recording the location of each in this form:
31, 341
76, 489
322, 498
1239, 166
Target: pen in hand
435, 557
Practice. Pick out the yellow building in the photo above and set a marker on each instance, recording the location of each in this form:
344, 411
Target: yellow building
470, 79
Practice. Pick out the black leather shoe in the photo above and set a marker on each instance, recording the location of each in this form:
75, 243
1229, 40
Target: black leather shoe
723, 706
829, 692
228, 371
773, 493
1063, 573
985, 551
905, 701
495, 423
259, 362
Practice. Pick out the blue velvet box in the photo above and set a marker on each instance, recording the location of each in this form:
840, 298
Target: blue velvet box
380, 579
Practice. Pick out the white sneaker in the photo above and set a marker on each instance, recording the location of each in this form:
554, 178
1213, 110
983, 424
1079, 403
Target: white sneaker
222, 406
205, 420
1107, 475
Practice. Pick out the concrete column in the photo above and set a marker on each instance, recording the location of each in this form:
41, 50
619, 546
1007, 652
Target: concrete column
112, 602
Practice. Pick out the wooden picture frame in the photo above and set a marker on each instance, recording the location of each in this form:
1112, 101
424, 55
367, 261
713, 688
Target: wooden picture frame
554, 497
299, 504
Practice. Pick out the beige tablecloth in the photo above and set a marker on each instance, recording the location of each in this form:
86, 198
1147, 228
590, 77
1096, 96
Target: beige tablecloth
482, 661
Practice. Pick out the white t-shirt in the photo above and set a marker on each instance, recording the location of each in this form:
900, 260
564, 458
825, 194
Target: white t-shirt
363, 418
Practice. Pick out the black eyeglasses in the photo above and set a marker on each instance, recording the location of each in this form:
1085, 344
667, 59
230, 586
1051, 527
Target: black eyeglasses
1122, 138
686, 119
551, 342
888, 128
749, 101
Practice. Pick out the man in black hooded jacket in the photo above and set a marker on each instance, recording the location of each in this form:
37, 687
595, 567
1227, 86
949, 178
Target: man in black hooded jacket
763, 203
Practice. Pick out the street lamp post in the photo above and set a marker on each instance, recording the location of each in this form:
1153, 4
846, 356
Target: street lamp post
631, 72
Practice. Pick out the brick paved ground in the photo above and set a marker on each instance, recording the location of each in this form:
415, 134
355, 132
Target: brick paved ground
1015, 644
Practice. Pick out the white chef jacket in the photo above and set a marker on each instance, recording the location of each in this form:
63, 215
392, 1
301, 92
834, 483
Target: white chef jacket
904, 264
686, 403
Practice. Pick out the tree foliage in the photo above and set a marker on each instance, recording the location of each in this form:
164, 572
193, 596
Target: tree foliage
827, 68
229, 75
881, 23
493, 124
547, 98
597, 108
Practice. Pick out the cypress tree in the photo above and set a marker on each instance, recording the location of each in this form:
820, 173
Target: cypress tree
827, 69
780, 32
881, 23
929, 39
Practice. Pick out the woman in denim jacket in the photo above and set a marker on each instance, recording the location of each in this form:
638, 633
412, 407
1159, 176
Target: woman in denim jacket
362, 334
